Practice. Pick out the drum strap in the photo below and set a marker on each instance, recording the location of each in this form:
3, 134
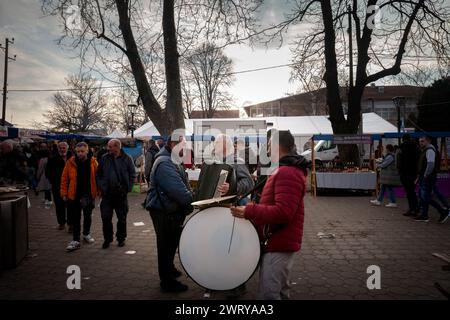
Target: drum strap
270, 229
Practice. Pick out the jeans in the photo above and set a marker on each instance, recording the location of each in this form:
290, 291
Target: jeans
107, 208
62, 212
168, 229
440, 196
426, 188
390, 189
410, 190
74, 207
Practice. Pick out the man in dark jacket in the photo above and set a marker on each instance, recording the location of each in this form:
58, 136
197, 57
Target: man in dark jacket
407, 159
168, 201
12, 163
279, 216
429, 163
152, 150
53, 172
115, 178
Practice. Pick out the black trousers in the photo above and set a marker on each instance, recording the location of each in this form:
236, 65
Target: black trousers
107, 208
47, 195
62, 212
410, 189
74, 207
168, 231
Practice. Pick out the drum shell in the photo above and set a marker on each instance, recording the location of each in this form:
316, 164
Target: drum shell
207, 255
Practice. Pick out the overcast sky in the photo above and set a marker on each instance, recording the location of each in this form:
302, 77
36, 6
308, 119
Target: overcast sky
42, 64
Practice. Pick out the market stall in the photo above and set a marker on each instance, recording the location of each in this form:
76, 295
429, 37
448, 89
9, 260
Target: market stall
342, 175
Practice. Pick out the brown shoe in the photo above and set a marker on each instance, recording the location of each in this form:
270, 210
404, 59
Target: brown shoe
61, 226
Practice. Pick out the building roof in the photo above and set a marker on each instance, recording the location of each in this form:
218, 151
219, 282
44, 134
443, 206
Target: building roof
198, 114
376, 93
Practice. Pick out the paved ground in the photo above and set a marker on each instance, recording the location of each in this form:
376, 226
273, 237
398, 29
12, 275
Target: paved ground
324, 269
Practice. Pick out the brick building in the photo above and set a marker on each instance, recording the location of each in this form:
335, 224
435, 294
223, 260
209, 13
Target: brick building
376, 99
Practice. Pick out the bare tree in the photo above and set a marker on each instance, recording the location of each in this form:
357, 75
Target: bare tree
120, 112
82, 109
210, 71
419, 75
115, 35
383, 31
189, 98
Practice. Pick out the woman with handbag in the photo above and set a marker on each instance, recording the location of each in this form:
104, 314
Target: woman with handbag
389, 178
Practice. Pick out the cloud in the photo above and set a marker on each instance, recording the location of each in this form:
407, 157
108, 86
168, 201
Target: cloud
41, 63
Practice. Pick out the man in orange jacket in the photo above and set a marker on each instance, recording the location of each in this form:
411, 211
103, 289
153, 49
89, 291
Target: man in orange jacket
79, 190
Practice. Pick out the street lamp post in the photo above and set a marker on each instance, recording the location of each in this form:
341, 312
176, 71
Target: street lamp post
133, 109
399, 101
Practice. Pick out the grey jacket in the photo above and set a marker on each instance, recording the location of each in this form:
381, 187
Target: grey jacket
389, 174
107, 178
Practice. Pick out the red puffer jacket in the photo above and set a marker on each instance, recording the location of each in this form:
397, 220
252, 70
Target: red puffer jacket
281, 209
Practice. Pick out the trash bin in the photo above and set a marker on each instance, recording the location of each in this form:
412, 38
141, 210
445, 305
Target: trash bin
13, 230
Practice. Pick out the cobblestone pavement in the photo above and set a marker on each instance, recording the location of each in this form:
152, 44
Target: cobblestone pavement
324, 269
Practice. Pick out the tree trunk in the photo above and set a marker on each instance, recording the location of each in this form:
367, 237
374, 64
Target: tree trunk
151, 106
174, 100
340, 125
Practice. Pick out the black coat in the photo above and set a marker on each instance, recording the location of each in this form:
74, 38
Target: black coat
408, 158
54, 169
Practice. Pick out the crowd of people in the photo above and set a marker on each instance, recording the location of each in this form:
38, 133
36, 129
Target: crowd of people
413, 165
277, 211
75, 176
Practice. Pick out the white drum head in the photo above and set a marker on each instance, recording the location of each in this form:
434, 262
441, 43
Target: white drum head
206, 254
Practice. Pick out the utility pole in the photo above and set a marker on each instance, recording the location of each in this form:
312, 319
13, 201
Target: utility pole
5, 79
350, 47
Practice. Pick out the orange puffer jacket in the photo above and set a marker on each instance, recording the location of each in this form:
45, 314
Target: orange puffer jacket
69, 179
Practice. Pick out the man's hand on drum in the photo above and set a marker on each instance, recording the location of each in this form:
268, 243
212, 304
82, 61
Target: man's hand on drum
238, 212
223, 189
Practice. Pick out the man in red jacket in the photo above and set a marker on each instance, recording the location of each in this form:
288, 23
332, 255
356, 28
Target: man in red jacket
279, 216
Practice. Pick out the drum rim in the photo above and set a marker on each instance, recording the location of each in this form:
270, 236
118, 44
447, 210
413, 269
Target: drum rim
218, 290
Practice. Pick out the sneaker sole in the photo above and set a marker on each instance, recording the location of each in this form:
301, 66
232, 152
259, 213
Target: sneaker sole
445, 219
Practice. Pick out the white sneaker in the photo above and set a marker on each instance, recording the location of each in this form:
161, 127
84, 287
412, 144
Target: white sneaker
375, 202
88, 239
391, 205
73, 245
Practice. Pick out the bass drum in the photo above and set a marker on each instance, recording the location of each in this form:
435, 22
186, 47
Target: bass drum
217, 250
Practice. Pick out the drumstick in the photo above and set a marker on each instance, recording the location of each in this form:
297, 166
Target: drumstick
259, 185
232, 232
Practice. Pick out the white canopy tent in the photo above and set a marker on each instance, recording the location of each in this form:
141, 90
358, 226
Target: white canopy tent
116, 134
302, 127
149, 130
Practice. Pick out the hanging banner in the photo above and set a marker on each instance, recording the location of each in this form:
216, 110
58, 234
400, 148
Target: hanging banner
31, 132
352, 139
